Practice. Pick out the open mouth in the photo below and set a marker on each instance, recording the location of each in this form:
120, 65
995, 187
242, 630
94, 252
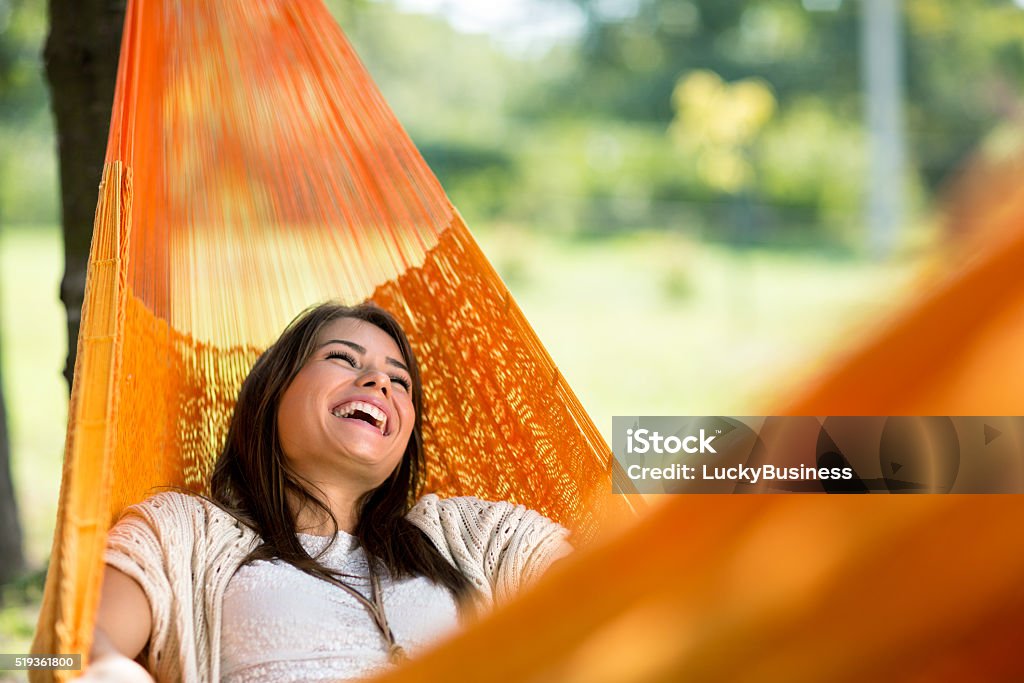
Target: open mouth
365, 412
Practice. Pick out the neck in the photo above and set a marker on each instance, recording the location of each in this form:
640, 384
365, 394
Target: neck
310, 519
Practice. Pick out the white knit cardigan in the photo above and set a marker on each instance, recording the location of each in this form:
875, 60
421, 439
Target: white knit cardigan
183, 550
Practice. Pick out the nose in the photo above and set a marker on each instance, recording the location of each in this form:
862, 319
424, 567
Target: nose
376, 380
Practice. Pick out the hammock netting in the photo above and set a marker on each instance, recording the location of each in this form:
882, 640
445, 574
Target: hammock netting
253, 169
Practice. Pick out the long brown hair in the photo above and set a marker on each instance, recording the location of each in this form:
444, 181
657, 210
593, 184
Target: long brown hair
252, 480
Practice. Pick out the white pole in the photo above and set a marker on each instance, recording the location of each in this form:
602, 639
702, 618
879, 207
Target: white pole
882, 66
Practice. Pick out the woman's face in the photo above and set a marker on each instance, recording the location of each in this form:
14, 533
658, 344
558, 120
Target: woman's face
349, 412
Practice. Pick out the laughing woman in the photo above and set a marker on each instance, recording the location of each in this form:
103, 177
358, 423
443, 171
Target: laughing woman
312, 560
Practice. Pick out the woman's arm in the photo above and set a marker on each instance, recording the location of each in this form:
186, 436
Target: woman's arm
123, 622
123, 617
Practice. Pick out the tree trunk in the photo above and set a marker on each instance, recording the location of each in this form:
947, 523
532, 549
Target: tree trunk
12, 559
81, 64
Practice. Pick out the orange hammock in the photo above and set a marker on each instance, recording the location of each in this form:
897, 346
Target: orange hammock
253, 168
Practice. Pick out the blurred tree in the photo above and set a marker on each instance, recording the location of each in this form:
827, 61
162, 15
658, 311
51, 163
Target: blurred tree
717, 127
634, 51
965, 61
81, 64
717, 123
965, 66
12, 558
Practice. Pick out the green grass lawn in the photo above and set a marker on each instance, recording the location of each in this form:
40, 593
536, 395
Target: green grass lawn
33, 344
644, 324
655, 324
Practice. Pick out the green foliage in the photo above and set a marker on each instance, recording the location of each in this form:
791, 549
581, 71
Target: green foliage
595, 177
22, 93
812, 158
717, 124
775, 40
586, 138
28, 184
441, 84
28, 175
450, 91
23, 590
19, 612
964, 72
475, 173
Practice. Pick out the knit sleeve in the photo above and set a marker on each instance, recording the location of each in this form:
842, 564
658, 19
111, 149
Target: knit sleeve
137, 545
500, 547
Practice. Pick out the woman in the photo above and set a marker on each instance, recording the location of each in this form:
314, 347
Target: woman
311, 561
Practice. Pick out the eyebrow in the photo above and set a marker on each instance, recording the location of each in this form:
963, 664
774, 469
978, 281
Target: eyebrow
361, 349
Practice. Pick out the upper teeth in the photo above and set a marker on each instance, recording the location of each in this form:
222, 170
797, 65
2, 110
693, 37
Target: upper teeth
373, 411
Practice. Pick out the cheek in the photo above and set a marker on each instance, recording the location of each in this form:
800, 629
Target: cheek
286, 411
292, 413
408, 417
287, 427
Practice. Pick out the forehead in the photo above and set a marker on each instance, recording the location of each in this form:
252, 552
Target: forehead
367, 335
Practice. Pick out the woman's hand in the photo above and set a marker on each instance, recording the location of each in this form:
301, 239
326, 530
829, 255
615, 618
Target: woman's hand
115, 668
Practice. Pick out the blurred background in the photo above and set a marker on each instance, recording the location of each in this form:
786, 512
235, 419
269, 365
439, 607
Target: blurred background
696, 202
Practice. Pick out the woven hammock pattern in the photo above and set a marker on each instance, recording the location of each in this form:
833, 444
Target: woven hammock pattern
253, 169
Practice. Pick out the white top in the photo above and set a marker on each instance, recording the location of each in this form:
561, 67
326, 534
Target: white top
281, 624
183, 551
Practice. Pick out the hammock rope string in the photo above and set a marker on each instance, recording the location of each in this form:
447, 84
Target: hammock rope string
253, 169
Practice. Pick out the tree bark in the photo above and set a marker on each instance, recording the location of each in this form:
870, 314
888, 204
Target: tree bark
81, 64
12, 558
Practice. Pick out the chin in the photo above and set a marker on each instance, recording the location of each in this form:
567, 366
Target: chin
373, 466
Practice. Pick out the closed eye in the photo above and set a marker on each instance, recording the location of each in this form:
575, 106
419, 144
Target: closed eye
351, 360
344, 356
